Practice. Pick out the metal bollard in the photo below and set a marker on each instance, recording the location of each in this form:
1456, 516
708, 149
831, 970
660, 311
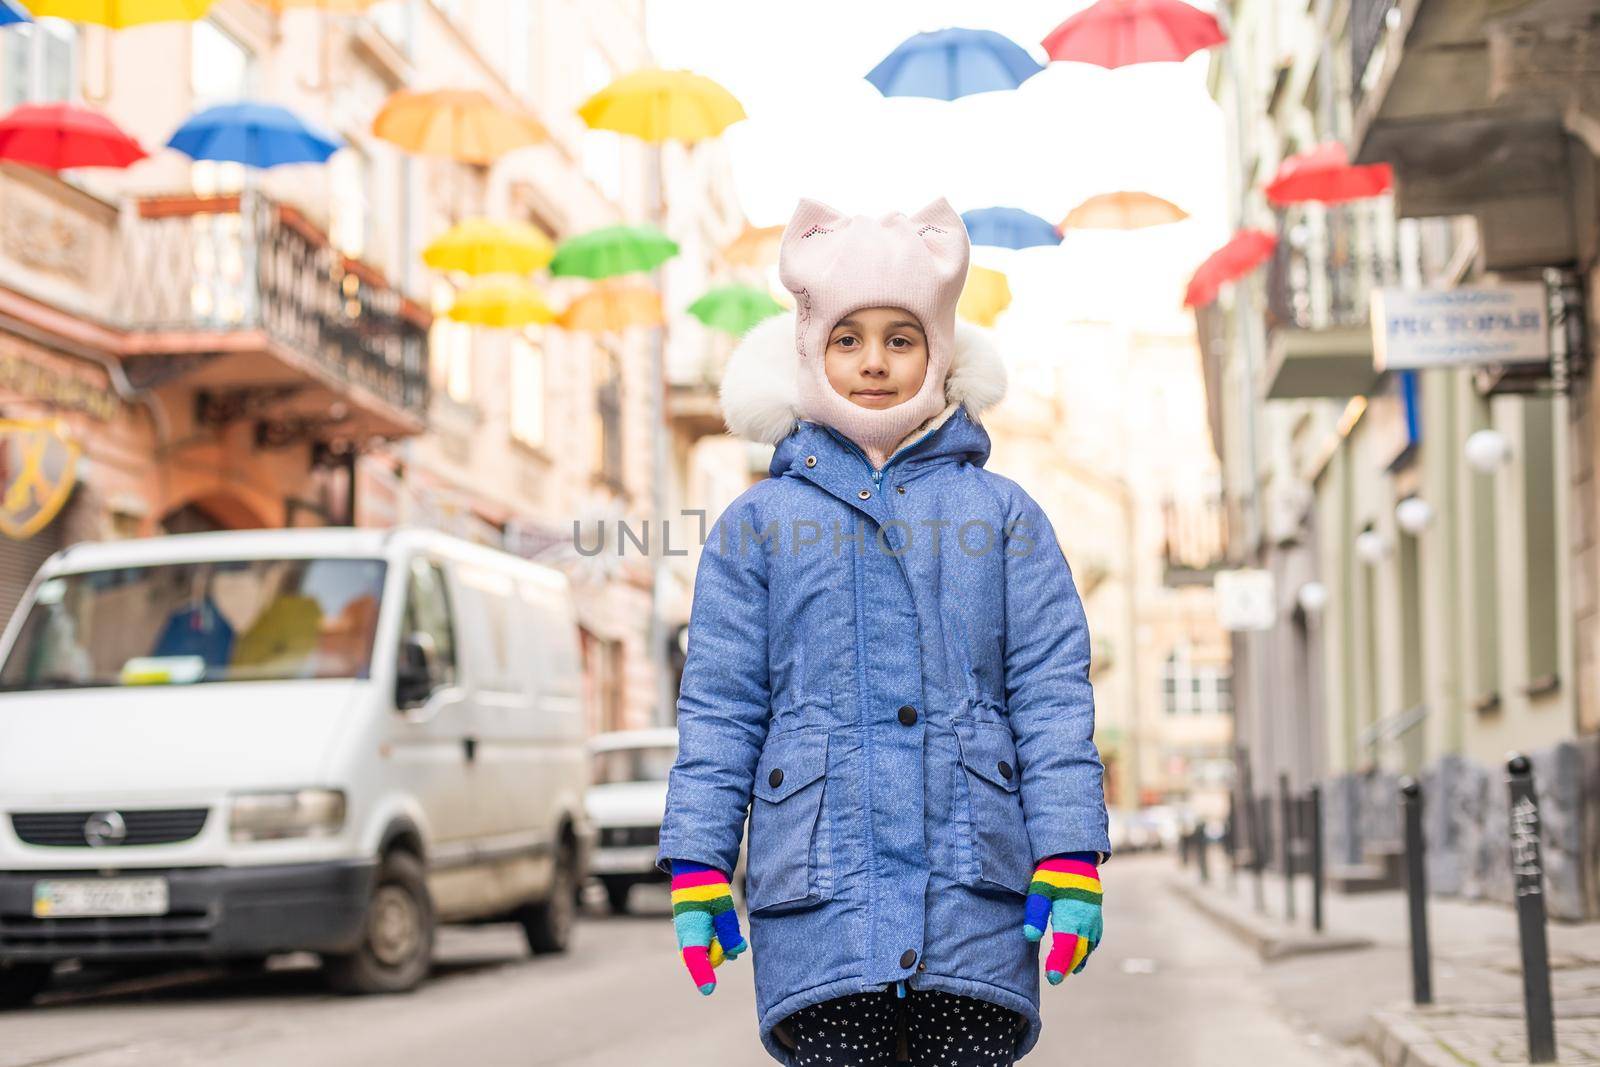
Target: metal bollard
1314, 816
1286, 847
1527, 871
1417, 892
1230, 840
1200, 842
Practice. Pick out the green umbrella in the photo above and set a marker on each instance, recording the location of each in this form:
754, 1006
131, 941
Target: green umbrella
612, 250
735, 308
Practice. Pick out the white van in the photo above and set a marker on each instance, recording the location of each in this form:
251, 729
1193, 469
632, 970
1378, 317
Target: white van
230, 745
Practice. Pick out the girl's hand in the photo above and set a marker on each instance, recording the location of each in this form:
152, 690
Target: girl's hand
706, 922
1066, 891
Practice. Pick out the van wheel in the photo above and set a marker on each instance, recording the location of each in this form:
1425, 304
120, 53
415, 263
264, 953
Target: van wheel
617, 893
20, 982
396, 948
548, 924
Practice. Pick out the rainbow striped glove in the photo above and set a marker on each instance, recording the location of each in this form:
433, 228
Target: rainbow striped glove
1066, 891
706, 922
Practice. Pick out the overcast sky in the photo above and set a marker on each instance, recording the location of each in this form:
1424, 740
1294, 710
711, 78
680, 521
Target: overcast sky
817, 128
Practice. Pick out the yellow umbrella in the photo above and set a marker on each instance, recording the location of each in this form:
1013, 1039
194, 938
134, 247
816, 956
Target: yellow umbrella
985, 295
120, 13
1122, 211
754, 247
613, 308
501, 302
661, 105
485, 246
460, 124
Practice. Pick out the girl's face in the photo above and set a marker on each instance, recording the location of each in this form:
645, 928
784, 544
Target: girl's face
877, 357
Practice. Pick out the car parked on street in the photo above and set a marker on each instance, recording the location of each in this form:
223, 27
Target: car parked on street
626, 802
232, 745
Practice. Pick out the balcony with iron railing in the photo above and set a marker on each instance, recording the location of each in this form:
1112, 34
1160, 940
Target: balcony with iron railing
1328, 262
1194, 541
244, 300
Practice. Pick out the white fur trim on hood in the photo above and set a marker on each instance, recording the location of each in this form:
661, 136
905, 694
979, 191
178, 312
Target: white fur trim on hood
760, 392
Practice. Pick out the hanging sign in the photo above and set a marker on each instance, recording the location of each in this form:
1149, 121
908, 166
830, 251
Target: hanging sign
38, 468
1245, 600
1470, 325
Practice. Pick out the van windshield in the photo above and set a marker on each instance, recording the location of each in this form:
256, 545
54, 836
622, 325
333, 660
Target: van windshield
186, 623
617, 765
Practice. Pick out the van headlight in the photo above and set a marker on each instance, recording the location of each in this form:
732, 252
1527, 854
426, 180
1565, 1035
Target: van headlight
290, 813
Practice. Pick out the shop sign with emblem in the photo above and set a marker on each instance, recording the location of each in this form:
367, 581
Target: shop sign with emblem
38, 467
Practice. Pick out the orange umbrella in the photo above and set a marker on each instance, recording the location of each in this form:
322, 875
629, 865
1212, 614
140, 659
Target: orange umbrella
460, 124
612, 309
1122, 211
754, 247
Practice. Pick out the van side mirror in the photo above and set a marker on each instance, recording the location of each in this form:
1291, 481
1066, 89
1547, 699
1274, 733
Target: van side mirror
413, 673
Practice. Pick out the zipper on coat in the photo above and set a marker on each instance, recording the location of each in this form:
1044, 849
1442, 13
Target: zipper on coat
877, 472
902, 1048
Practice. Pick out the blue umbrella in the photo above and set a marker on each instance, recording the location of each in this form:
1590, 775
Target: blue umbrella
1009, 227
949, 63
257, 135
12, 12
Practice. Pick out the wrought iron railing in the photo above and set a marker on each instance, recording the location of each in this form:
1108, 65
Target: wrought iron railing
1194, 539
245, 262
1368, 23
1328, 262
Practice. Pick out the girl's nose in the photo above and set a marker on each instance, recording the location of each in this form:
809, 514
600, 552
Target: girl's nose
875, 359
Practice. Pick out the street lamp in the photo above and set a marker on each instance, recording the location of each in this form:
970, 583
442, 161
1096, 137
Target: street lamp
1312, 597
1371, 547
1487, 450
1413, 514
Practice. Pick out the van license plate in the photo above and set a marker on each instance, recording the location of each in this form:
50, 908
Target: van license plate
87, 898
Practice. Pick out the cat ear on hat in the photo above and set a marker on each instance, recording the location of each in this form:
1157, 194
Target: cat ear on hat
942, 230
811, 219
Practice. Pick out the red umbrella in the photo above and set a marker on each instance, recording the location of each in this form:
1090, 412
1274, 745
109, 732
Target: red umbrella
1324, 174
1244, 252
59, 136
1115, 33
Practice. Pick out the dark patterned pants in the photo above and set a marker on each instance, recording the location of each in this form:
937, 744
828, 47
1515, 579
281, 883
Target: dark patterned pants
926, 1028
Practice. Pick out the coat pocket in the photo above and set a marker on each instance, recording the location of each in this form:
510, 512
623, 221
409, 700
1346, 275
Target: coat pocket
996, 829
788, 860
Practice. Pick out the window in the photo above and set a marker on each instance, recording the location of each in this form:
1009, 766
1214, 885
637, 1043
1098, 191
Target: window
428, 616
608, 416
449, 347
40, 61
349, 175
219, 73
1188, 689
527, 391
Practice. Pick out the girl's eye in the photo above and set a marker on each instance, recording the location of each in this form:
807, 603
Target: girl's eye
907, 341
842, 340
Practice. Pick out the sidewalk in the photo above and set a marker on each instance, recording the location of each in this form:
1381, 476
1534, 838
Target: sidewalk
1355, 994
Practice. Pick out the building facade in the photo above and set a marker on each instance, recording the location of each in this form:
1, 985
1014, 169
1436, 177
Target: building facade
1435, 599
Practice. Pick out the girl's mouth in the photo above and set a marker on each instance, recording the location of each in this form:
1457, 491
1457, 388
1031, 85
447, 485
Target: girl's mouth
869, 393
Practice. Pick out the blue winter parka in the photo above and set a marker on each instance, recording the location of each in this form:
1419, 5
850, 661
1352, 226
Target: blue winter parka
888, 671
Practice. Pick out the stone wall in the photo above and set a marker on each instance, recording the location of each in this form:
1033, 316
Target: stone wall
1466, 825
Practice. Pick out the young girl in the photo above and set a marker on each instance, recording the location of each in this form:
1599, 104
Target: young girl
888, 666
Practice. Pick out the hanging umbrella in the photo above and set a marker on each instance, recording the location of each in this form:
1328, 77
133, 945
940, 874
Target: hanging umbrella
118, 14
945, 64
501, 303
257, 135
484, 246
1116, 33
660, 105
753, 247
984, 297
612, 250
1008, 227
735, 308
1324, 174
1122, 211
1244, 252
12, 12
460, 124
59, 136
613, 308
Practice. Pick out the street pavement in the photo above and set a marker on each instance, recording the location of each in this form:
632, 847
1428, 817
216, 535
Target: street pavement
1166, 988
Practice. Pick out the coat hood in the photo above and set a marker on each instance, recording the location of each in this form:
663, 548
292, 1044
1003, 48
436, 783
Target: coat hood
760, 391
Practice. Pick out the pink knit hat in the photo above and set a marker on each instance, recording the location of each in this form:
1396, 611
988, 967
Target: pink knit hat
835, 264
